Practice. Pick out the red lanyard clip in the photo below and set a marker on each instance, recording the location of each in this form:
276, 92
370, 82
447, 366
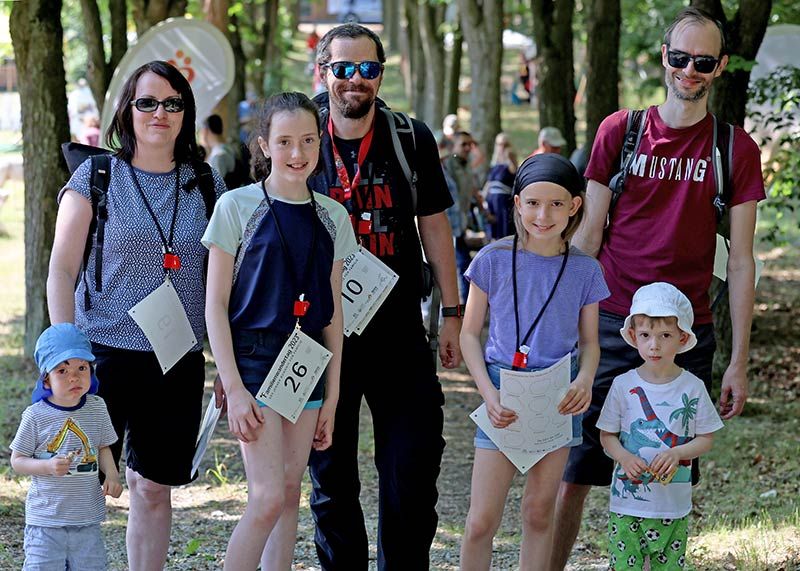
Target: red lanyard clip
301, 307
365, 224
171, 261
520, 360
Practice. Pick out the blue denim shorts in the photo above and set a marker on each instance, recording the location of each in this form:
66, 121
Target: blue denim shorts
73, 547
482, 440
256, 352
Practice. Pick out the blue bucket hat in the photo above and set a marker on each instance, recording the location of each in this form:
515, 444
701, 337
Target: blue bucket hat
56, 344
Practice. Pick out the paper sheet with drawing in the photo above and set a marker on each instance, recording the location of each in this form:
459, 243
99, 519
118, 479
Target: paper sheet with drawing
539, 429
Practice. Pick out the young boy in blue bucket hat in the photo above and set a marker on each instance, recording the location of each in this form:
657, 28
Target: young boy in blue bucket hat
61, 443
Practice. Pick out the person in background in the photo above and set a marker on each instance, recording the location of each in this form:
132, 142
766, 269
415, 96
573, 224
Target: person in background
550, 141
497, 189
219, 154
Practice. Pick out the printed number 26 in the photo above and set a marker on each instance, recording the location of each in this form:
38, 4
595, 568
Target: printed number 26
300, 371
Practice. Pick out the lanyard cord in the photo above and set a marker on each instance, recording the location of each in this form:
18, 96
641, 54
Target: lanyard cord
549, 297
284, 247
167, 243
341, 172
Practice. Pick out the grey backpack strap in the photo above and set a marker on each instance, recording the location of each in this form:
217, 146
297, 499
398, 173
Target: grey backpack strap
405, 127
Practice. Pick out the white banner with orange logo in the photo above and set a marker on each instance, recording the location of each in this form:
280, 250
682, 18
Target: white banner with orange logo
197, 48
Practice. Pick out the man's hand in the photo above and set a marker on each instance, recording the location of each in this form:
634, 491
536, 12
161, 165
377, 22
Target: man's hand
734, 392
449, 348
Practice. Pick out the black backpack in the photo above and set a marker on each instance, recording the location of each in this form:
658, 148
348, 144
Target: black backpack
76, 154
720, 165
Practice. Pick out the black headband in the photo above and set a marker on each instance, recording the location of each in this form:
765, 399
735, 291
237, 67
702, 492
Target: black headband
549, 167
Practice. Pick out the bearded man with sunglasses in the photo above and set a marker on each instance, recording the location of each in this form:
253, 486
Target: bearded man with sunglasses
390, 364
663, 228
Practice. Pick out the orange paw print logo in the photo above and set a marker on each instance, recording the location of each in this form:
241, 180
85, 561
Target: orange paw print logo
184, 65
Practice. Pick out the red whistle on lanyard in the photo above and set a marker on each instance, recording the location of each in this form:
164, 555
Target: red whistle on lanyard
171, 261
301, 307
365, 224
520, 360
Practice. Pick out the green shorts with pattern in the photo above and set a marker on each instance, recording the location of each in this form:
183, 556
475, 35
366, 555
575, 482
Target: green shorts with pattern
632, 539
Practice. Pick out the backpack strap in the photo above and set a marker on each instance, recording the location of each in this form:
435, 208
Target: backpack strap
205, 180
630, 147
99, 181
723, 159
406, 127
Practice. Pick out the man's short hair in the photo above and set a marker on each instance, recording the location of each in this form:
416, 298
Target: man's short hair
349, 31
214, 124
692, 15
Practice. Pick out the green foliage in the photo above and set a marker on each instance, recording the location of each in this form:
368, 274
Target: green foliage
774, 107
738, 63
193, 546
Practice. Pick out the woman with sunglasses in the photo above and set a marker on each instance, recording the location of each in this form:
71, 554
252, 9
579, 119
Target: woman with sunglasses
156, 217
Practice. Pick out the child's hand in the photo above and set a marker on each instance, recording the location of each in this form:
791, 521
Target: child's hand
112, 486
499, 415
58, 465
244, 415
578, 397
665, 462
633, 465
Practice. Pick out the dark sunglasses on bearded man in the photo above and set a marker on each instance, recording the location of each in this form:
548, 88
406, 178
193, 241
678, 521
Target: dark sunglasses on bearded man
347, 69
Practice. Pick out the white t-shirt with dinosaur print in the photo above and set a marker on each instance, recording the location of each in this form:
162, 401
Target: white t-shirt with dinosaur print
649, 419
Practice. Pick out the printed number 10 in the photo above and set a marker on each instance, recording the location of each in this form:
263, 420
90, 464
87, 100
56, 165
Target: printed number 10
300, 371
353, 287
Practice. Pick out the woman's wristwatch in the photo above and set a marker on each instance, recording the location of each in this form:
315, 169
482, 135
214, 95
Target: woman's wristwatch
453, 311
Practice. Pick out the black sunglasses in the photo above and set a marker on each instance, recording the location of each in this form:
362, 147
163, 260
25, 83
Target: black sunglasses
347, 69
702, 64
150, 104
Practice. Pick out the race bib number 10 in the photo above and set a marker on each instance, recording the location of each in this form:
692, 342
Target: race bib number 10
366, 283
294, 375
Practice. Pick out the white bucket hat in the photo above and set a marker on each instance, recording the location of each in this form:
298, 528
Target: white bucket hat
661, 299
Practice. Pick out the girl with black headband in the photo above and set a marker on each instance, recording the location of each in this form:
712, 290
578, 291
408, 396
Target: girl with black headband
543, 296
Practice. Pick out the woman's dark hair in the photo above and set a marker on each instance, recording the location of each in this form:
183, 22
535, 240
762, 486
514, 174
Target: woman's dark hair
291, 101
120, 134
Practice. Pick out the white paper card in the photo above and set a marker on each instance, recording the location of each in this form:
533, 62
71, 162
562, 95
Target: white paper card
366, 283
721, 261
163, 320
523, 461
206, 431
294, 375
539, 428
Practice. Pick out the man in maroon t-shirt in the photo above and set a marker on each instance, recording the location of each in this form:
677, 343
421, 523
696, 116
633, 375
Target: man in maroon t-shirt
663, 228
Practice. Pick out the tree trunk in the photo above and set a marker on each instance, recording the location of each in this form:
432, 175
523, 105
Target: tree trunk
552, 29
37, 37
216, 12
728, 100
273, 80
256, 49
452, 93
416, 60
391, 23
431, 18
96, 70
482, 23
148, 13
119, 33
602, 66
239, 90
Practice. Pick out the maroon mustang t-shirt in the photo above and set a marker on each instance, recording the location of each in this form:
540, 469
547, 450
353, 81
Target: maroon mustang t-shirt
664, 225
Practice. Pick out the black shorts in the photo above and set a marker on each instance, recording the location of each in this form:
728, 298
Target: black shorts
156, 415
588, 463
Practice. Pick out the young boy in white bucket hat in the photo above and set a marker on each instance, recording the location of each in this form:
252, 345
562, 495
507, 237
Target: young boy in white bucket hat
656, 418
